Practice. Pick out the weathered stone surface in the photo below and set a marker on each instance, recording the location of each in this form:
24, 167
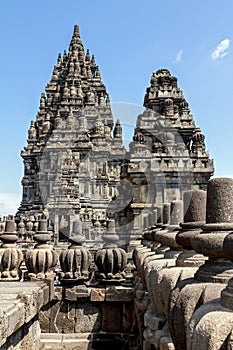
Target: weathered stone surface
210, 327
219, 199
177, 212
87, 341
88, 318
75, 262
185, 298
42, 259
111, 317
194, 206
167, 239
52, 314
139, 255
56, 341
97, 294
194, 219
128, 318
211, 239
77, 292
10, 256
110, 260
165, 281
190, 258
19, 307
119, 293
156, 266
65, 317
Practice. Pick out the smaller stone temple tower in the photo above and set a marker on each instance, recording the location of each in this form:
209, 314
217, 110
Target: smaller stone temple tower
167, 154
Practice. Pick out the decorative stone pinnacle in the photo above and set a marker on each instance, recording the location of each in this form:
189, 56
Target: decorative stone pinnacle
9, 236
110, 237
77, 239
76, 29
176, 213
93, 60
166, 214
42, 259
110, 260
42, 236
10, 256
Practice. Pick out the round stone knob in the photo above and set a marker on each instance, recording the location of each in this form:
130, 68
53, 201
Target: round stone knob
194, 218
194, 206
176, 212
220, 203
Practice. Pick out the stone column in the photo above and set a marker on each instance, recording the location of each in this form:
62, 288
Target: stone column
194, 219
166, 214
167, 237
212, 276
205, 330
162, 281
219, 223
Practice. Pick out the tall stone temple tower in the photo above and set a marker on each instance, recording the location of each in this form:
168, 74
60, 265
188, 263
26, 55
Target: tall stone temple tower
72, 163
76, 169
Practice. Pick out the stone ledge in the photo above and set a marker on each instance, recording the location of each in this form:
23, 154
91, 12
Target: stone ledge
77, 292
20, 302
81, 341
119, 293
97, 293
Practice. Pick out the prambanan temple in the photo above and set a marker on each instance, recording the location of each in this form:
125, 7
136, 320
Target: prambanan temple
76, 169
115, 247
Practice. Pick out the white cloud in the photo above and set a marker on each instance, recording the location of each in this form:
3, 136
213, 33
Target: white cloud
221, 50
179, 56
9, 203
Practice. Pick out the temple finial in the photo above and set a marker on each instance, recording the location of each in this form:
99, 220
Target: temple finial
76, 30
93, 60
87, 58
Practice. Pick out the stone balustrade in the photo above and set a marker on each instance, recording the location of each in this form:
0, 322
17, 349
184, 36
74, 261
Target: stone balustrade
170, 302
189, 305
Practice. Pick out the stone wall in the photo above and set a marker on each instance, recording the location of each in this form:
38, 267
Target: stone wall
89, 317
19, 307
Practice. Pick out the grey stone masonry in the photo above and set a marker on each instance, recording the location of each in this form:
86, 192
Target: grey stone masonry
76, 169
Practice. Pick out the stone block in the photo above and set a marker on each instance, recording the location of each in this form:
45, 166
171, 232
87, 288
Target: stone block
88, 317
98, 294
63, 322
166, 344
153, 321
111, 317
50, 341
52, 314
77, 292
119, 293
128, 317
57, 293
44, 319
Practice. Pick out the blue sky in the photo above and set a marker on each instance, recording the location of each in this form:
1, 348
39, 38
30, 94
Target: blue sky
130, 40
